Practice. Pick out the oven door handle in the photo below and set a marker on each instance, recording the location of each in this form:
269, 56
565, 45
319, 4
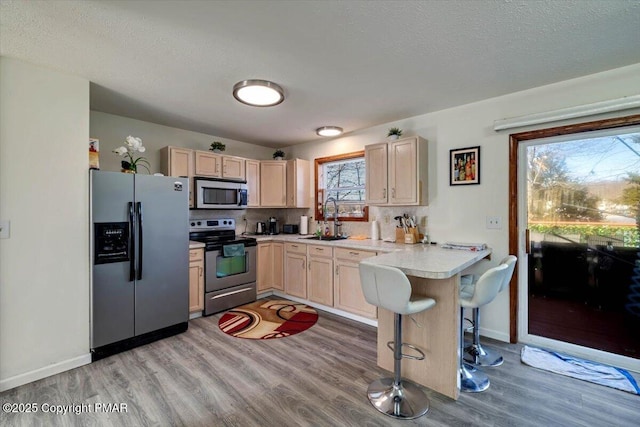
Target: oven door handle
139, 209
132, 245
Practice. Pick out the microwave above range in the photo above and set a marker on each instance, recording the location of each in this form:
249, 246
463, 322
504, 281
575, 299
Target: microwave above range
212, 193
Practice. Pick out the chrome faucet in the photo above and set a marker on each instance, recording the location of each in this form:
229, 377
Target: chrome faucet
336, 223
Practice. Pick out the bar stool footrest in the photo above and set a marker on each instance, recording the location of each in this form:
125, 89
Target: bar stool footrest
408, 356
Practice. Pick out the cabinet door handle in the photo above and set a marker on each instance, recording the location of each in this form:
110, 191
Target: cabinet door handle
201, 270
384, 193
337, 269
303, 266
393, 192
309, 265
354, 253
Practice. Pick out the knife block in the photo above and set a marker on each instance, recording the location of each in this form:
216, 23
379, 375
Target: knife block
410, 237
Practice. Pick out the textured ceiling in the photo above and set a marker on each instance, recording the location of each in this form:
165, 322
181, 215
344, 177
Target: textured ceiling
353, 64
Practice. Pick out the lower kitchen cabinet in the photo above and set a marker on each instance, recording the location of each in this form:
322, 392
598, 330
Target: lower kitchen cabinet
295, 269
320, 274
278, 266
270, 266
196, 280
347, 294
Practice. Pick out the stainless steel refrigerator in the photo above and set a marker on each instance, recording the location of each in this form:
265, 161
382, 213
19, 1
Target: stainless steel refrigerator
140, 259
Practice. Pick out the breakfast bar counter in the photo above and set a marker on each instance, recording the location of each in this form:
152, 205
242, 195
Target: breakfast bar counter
433, 272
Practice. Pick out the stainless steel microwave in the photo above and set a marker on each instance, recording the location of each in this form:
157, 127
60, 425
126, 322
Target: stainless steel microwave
214, 193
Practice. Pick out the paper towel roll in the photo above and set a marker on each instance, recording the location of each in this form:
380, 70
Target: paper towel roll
304, 225
375, 231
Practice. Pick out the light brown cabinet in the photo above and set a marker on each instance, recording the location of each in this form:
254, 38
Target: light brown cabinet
397, 172
320, 274
196, 280
233, 167
270, 273
252, 168
348, 295
295, 270
208, 164
176, 161
298, 183
273, 183
215, 165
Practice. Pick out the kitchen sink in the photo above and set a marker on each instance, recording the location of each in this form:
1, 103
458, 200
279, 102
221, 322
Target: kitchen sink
325, 238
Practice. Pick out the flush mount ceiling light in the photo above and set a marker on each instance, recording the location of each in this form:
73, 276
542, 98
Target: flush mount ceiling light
258, 93
329, 131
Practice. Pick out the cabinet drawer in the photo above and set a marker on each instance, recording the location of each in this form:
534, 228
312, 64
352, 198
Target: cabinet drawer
300, 248
320, 250
353, 254
196, 254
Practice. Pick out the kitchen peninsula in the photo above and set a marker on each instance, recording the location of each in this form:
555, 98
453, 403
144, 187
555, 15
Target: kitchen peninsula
434, 272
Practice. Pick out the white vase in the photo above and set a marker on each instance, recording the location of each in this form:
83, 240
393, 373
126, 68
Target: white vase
393, 137
278, 158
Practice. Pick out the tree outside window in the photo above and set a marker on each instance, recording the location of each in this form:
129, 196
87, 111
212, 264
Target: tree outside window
343, 178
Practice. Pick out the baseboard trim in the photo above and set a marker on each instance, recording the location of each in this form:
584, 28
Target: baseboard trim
44, 372
337, 312
496, 335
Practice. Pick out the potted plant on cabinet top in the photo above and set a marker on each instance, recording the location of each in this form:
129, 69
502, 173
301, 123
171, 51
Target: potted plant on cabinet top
217, 147
394, 133
278, 155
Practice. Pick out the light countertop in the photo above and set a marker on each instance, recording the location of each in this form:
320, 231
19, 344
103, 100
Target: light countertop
195, 245
419, 260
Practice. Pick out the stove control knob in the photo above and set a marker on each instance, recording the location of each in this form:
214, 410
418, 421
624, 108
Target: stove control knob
193, 224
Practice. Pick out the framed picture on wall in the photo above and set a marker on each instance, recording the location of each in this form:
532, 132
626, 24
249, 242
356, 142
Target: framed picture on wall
464, 166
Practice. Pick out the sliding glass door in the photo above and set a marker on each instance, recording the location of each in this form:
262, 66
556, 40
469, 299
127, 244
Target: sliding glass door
579, 286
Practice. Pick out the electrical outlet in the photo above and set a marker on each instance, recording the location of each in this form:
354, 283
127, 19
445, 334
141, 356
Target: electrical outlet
387, 218
494, 222
244, 217
423, 222
4, 229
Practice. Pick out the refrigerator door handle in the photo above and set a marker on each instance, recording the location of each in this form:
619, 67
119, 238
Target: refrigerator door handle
132, 246
139, 209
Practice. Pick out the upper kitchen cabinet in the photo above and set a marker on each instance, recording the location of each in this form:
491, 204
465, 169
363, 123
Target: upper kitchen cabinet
298, 183
177, 161
208, 164
219, 166
273, 183
252, 168
233, 167
397, 172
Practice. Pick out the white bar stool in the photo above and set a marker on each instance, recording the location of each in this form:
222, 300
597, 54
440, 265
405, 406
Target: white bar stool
485, 290
389, 288
474, 353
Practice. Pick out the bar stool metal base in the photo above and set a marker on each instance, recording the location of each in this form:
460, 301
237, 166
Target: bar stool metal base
472, 380
406, 400
480, 356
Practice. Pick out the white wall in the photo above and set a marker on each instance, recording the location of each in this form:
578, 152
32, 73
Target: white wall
44, 265
459, 213
112, 130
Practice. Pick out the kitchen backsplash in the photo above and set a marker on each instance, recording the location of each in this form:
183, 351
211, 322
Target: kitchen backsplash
292, 216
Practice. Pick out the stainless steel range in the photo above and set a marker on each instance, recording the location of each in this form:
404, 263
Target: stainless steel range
230, 264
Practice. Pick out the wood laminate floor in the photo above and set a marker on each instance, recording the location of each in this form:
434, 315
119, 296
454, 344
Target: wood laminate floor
316, 378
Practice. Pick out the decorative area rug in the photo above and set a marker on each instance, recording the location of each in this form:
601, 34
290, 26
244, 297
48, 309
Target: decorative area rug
579, 368
267, 319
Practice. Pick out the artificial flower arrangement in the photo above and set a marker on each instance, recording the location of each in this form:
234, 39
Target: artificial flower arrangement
132, 145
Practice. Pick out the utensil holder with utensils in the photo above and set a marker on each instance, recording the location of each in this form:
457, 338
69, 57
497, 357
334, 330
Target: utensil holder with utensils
407, 235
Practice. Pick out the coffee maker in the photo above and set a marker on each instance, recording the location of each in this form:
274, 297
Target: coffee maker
272, 225
261, 228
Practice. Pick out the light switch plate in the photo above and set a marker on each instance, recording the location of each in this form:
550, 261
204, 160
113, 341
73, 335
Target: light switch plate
494, 222
4, 229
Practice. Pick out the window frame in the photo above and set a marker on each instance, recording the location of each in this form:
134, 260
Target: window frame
318, 163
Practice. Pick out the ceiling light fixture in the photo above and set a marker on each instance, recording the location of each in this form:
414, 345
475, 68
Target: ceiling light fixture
329, 131
258, 93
